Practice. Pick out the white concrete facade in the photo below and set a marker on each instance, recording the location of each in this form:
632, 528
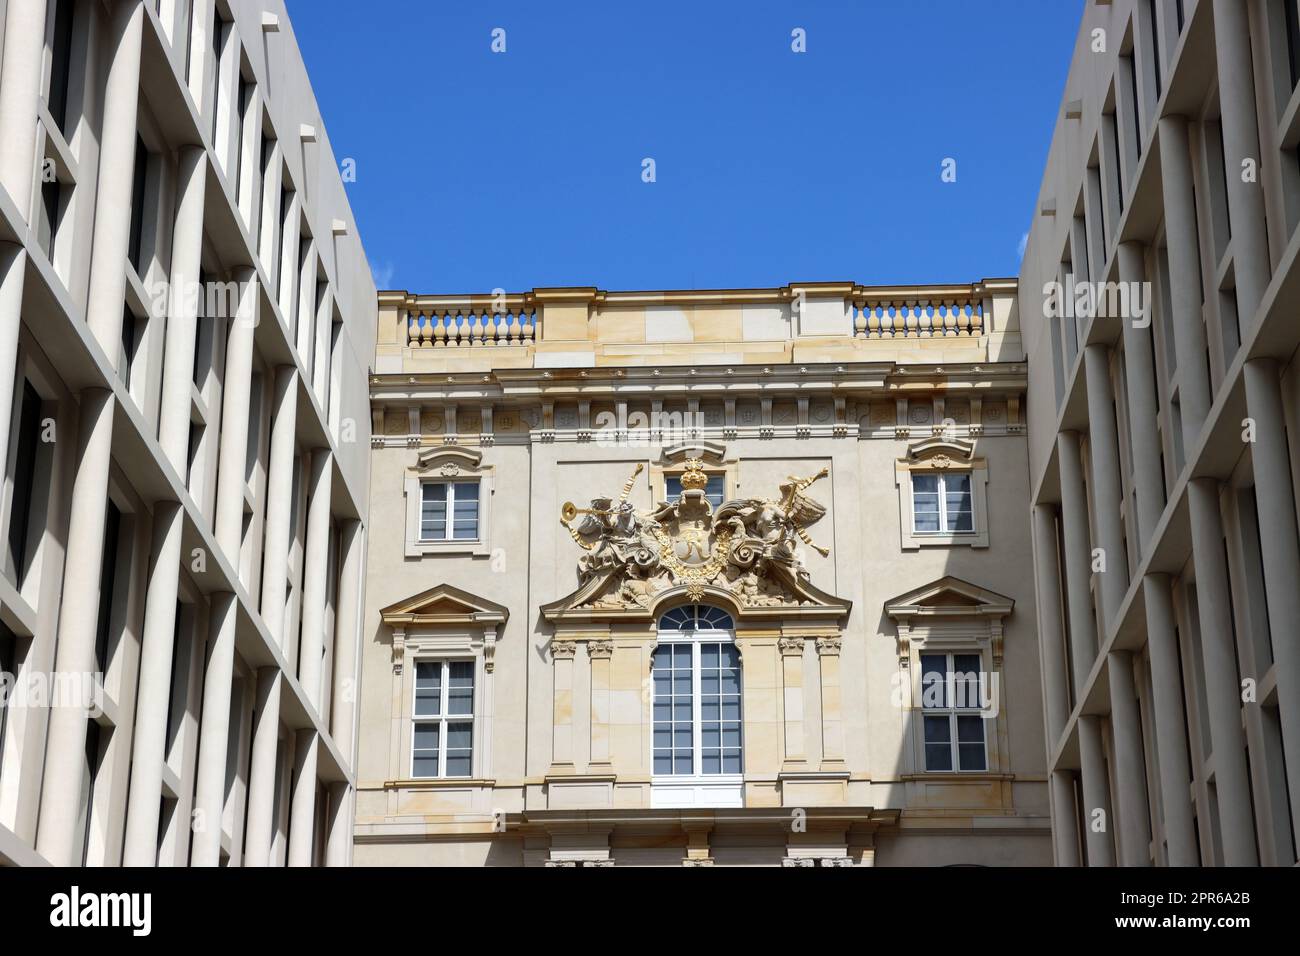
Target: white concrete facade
1164, 436
186, 323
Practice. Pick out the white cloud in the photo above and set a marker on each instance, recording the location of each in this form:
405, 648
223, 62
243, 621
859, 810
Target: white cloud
383, 275
1020, 246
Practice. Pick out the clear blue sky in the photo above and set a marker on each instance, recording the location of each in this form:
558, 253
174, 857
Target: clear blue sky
478, 170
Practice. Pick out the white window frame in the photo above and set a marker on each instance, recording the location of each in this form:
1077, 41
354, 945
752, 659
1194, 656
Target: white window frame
952, 711
443, 718
943, 477
450, 503
943, 457
447, 464
698, 789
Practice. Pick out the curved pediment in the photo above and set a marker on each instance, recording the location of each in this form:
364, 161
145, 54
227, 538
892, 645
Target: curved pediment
582, 606
449, 460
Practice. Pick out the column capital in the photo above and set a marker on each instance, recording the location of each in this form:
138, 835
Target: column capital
790, 646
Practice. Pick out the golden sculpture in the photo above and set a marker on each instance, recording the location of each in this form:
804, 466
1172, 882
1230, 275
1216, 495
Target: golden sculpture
746, 545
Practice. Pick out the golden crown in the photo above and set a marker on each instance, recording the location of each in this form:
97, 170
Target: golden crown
694, 476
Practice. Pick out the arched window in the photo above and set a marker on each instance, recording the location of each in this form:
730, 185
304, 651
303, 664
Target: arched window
696, 694
696, 617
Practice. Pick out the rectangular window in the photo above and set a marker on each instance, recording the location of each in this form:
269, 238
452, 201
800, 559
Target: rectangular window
51, 208
20, 511
107, 585
951, 698
130, 343
713, 491
442, 738
138, 185
941, 504
697, 724
61, 64
8, 666
449, 511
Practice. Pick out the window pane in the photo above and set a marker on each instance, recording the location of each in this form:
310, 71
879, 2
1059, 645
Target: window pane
682, 764
433, 510
673, 487
466, 491
937, 730
731, 761
426, 736
927, 522
465, 510
713, 491
709, 655
928, 484
711, 736
938, 757
709, 682
713, 762
970, 730
663, 762
966, 680
460, 689
424, 755
428, 691
458, 764
934, 673
925, 502
460, 735
971, 756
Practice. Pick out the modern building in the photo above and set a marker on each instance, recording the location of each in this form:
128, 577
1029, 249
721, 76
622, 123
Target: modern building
186, 322
1163, 409
736, 577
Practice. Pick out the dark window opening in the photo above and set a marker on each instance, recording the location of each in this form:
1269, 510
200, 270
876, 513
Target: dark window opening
20, 512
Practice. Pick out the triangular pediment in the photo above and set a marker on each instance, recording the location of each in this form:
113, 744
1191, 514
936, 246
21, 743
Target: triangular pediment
947, 597
444, 604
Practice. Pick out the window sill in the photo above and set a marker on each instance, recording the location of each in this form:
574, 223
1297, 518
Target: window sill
419, 549
958, 776
438, 783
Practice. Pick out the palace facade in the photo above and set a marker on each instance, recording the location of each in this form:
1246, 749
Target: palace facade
734, 577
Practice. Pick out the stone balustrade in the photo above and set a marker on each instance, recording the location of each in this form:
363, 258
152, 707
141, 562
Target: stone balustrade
918, 313
813, 322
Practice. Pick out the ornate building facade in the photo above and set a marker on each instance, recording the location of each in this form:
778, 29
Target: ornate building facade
697, 578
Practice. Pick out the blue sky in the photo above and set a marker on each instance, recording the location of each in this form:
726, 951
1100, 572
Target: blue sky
479, 170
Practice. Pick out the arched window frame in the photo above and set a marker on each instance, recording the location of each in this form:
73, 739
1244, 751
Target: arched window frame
706, 625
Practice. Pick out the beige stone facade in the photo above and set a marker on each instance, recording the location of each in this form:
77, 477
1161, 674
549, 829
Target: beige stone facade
657, 579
